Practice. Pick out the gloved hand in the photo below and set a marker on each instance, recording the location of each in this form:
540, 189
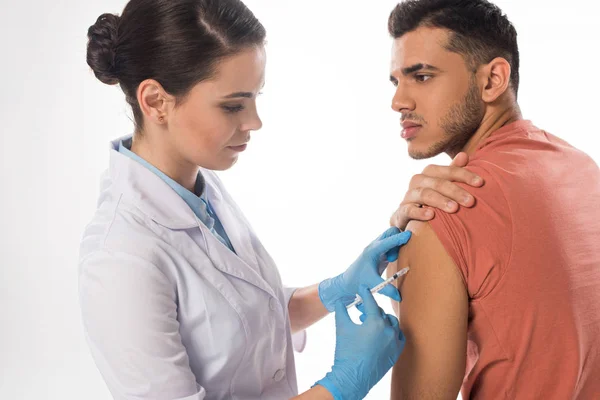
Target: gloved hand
363, 353
367, 270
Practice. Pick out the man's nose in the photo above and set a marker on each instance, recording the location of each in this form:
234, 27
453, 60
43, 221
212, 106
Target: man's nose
402, 102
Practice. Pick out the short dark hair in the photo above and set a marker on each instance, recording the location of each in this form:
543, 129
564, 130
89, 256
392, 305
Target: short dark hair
176, 42
479, 30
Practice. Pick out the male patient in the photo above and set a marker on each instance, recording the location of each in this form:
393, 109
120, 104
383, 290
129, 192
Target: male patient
503, 298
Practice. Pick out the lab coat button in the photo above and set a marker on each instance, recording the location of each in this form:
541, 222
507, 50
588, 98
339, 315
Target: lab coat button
279, 375
272, 304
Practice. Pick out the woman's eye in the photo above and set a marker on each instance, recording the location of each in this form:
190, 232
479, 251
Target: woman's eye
422, 78
233, 109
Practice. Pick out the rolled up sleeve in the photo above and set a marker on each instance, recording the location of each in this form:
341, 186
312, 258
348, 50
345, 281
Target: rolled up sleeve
299, 338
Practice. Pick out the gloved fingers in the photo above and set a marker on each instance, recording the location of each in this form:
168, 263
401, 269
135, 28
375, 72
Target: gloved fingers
385, 259
387, 244
392, 292
388, 290
382, 264
401, 336
389, 232
371, 306
361, 308
392, 255
396, 326
341, 314
387, 320
363, 317
394, 323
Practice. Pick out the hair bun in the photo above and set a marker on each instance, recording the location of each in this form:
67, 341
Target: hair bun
102, 41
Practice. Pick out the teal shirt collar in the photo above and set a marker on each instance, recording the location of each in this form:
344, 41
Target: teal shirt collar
196, 201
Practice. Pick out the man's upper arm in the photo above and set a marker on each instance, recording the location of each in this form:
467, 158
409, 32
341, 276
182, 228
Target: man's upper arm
433, 315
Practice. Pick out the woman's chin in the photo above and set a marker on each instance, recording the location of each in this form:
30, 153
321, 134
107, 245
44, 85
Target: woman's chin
224, 163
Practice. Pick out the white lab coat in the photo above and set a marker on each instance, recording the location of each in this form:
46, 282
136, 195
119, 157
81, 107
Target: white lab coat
169, 312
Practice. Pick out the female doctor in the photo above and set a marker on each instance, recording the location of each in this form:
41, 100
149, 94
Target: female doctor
179, 298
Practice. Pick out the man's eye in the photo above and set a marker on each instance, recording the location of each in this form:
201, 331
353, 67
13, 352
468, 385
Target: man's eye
233, 109
422, 78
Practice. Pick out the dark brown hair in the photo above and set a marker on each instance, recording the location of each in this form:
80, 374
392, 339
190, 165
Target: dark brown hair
479, 30
176, 42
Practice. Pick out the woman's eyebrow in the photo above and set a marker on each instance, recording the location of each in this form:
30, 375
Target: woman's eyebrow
247, 95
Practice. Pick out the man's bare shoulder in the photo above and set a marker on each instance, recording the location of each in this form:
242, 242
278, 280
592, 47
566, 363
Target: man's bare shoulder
430, 265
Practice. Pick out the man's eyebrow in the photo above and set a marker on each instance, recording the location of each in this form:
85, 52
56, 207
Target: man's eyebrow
418, 67
247, 95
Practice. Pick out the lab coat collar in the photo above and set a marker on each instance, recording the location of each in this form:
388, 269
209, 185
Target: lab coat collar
153, 196
156, 199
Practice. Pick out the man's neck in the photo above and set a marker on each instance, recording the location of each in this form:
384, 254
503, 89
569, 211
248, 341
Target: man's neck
492, 121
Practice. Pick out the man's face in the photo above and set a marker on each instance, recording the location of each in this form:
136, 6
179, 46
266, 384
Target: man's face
436, 93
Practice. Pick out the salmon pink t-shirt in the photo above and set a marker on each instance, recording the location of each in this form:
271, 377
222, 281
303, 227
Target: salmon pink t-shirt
529, 256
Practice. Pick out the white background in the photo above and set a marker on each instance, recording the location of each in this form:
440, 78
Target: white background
318, 182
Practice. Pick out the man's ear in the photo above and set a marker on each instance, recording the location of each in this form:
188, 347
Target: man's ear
154, 100
495, 79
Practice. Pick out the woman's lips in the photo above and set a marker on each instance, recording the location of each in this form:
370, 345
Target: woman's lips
240, 148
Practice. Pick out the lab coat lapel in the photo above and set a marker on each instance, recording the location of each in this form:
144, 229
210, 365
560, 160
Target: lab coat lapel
243, 263
228, 262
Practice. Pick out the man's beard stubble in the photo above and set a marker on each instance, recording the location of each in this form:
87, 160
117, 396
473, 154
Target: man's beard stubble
459, 124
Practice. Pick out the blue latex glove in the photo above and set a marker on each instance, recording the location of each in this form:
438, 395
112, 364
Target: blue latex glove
366, 270
363, 353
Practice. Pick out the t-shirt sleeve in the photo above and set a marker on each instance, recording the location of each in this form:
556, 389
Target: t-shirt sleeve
478, 239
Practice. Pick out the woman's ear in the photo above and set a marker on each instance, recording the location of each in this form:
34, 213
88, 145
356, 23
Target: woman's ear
154, 101
496, 79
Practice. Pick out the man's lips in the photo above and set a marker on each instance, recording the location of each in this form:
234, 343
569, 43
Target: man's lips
410, 129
